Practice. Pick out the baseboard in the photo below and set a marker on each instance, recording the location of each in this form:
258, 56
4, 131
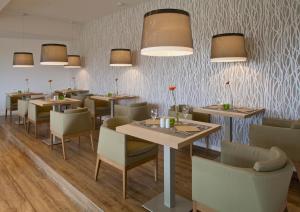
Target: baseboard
84, 203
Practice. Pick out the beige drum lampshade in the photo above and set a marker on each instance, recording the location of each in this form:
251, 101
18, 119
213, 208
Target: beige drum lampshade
120, 57
23, 60
73, 61
54, 54
228, 47
167, 32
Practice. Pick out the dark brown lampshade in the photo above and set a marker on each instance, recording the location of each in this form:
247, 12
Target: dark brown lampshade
23, 60
54, 54
120, 57
228, 47
167, 32
73, 61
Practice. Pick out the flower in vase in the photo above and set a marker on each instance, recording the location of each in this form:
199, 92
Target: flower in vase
172, 88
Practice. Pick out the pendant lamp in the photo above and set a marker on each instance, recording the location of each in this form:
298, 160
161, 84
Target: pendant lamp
73, 61
54, 54
120, 57
23, 60
167, 32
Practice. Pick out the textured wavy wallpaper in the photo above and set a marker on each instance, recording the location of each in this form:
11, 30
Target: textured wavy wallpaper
270, 79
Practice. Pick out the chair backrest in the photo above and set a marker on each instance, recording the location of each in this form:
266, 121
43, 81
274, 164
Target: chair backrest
203, 117
23, 107
135, 111
112, 123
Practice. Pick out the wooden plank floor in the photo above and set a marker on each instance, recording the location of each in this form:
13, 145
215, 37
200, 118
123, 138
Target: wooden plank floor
107, 191
23, 187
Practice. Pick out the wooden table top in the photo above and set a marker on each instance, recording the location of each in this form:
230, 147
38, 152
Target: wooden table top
16, 94
109, 98
71, 91
43, 103
238, 112
173, 141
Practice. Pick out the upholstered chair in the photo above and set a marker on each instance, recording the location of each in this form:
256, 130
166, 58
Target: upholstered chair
69, 124
81, 97
121, 151
202, 117
247, 179
134, 111
37, 115
278, 132
23, 111
97, 108
11, 105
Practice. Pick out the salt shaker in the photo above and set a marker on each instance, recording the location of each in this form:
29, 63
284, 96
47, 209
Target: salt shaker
167, 125
162, 122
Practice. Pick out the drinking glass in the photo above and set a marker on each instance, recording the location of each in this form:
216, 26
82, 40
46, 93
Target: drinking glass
185, 111
154, 113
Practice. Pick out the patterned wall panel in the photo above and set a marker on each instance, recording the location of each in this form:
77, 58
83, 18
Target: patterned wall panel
270, 79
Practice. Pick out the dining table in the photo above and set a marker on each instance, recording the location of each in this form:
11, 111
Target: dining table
235, 112
72, 90
184, 133
23, 94
113, 99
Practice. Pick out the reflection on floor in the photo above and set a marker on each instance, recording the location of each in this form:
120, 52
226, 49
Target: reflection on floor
107, 191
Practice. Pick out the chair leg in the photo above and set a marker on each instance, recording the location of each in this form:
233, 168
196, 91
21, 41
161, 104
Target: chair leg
25, 124
191, 150
92, 141
51, 141
6, 113
124, 183
28, 126
156, 169
63, 148
19, 120
194, 206
98, 162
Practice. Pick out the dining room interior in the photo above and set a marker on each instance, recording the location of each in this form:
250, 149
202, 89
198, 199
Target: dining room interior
150, 105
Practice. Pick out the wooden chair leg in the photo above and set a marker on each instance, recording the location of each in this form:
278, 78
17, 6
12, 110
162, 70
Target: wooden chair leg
92, 141
124, 183
98, 162
6, 113
51, 141
191, 150
156, 169
28, 126
194, 206
63, 148
19, 120
25, 124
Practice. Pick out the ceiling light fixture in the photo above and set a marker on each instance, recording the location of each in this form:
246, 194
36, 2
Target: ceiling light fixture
120, 57
73, 61
54, 54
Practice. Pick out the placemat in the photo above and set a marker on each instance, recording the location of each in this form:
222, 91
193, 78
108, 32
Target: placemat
172, 131
243, 110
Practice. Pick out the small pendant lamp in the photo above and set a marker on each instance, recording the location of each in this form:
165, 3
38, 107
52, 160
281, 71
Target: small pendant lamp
167, 32
120, 57
228, 47
73, 61
54, 54
23, 60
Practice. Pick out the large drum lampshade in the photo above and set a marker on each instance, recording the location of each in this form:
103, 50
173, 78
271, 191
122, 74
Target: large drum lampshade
73, 61
54, 54
120, 57
23, 60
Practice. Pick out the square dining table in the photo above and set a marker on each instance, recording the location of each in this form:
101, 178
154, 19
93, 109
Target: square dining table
23, 94
235, 112
112, 100
172, 139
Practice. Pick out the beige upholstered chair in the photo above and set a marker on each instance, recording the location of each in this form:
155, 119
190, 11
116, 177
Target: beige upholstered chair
11, 105
97, 108
277, 132
121, 151
247, 179
202, 117
37, 115
135, 111
23, 111
69, 124
81, 97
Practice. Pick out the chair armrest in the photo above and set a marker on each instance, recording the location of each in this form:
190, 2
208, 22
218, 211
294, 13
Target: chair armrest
112, 145
90, 104
286, 139
56, 123
277, 122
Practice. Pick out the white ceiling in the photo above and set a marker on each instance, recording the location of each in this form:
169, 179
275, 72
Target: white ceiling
67, 10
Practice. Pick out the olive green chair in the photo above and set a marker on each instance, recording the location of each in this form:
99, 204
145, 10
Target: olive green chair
11, 105
123, 152
134, 111
23, 111
278, 132
247, 179
202, 117
97, 108
37, 115
69, 124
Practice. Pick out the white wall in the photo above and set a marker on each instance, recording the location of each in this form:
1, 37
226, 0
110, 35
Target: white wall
270, 78
13, 79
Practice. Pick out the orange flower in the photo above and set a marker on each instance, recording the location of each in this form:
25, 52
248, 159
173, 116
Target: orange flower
172, 88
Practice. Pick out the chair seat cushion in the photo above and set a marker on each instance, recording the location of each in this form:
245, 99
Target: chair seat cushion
138, 147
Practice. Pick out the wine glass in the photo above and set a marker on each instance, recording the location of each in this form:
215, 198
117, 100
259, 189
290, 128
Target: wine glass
185, 111
154, 113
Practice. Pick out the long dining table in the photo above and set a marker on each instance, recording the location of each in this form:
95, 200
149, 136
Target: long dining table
172, 139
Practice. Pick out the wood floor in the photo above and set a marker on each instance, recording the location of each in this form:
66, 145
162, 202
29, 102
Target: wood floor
107, 191
23, 187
